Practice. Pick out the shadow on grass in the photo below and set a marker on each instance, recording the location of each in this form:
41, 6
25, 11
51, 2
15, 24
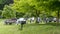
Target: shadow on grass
53, 24
34, 25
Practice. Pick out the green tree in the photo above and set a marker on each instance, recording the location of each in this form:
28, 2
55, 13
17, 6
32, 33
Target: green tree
5, 2
8, 12
38, 7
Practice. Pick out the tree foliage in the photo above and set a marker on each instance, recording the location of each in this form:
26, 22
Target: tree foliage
36, 7
5, 2
8, 12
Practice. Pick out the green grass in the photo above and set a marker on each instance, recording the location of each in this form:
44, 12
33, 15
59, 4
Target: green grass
28, 29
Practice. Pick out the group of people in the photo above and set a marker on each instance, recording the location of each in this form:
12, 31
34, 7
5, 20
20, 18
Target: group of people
31, 20
38, 19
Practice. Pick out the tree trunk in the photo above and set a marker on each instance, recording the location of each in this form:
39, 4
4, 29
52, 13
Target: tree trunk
37, 15
58, 17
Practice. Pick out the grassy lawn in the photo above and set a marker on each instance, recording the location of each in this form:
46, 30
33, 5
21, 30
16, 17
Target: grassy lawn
28, 29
